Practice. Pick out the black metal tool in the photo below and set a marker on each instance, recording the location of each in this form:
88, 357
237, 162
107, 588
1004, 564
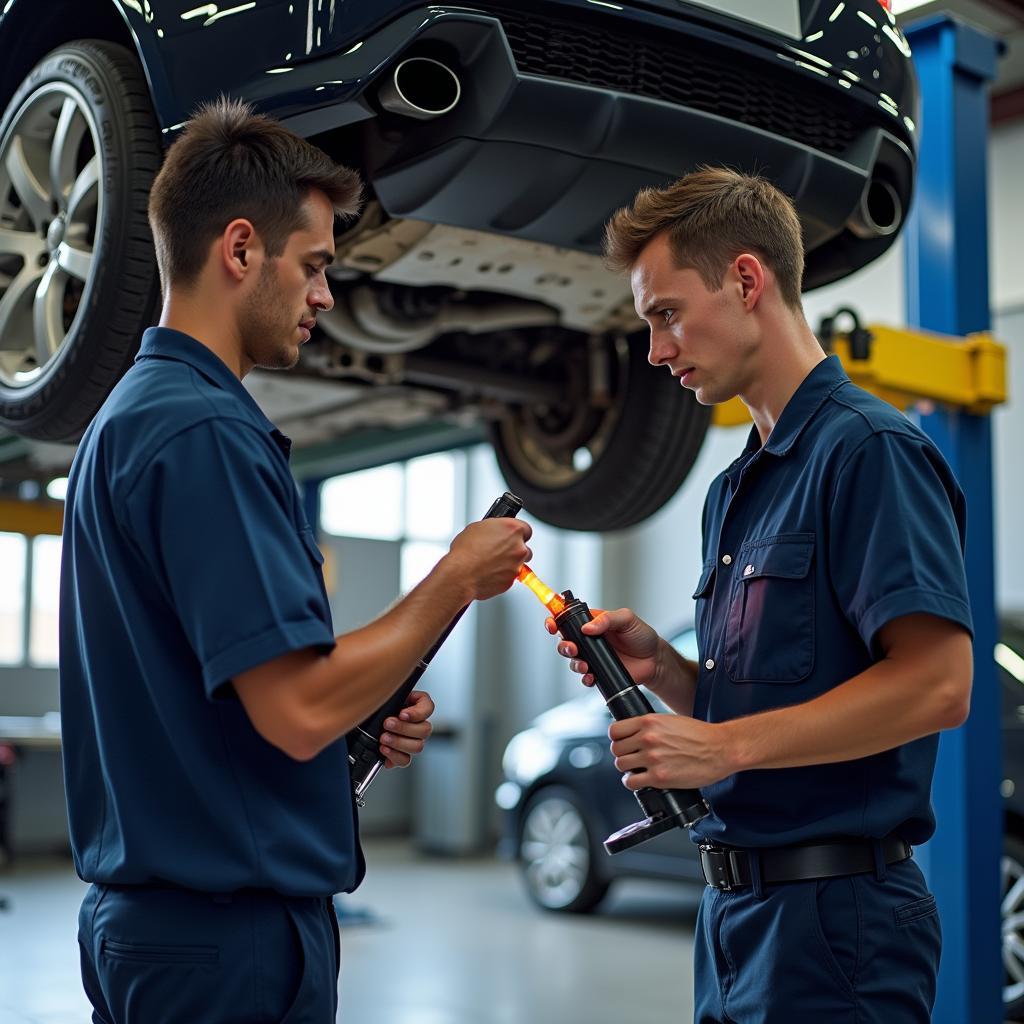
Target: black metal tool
364, 756
664, 808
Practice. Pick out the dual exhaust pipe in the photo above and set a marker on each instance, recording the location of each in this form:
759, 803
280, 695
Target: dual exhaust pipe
420, 87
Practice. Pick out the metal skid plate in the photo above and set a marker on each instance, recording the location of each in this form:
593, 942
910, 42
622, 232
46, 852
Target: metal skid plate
587, 296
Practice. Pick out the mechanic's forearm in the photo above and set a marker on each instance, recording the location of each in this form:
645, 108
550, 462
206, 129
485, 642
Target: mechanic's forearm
891, 703
675, 682
369, 664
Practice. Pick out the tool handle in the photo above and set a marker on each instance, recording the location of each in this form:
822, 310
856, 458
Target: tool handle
622, 695
364, 740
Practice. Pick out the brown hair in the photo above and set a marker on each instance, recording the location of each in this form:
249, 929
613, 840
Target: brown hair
228, 163
712, 216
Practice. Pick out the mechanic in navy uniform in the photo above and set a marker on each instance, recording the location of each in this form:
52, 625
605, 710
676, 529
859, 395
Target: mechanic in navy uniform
204, 696
832, 622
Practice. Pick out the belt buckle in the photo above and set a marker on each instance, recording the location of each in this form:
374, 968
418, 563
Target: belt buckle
715, 866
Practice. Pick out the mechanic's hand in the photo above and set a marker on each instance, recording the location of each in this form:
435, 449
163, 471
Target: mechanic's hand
669, 752
636, 643
405, 735
488, 555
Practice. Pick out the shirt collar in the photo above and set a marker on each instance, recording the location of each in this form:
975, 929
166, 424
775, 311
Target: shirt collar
166, 343
806, 401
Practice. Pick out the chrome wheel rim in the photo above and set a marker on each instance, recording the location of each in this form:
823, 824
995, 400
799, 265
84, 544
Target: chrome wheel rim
555, 852
51, 212
1012, 912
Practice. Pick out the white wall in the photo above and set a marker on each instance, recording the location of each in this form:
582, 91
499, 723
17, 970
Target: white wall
1006, 216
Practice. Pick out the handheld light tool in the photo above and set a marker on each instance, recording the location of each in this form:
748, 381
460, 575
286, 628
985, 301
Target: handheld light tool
364, 756
664, 808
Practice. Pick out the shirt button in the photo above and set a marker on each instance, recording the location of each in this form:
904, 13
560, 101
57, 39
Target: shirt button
726, 559
709, 664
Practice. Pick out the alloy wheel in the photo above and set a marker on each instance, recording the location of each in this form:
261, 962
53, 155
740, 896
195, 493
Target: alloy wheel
555, 852
1012, 913
51, 211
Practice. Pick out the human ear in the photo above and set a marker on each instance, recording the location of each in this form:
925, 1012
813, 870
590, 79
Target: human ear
237, 244
751, 278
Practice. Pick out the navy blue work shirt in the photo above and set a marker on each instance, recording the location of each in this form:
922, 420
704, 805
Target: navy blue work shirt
187, 560
847, 518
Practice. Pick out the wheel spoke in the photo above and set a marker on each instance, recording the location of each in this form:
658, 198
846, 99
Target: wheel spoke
1012, 900
576, 857
569, 827
28, 188
48, 314
67, 138
1013, 958
13, 303
84, 193
20, 243
76, 262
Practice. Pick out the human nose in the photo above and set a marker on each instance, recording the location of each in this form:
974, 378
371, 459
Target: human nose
662, 348
321, 297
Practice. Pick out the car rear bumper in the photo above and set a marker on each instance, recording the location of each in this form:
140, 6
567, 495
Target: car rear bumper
533, 151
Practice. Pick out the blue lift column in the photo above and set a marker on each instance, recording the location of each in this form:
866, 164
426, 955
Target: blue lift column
947, 290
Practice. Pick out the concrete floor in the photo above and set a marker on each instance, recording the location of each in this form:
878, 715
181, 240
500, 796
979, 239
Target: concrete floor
453, 942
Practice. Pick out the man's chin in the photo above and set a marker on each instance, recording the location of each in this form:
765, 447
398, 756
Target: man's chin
284, 359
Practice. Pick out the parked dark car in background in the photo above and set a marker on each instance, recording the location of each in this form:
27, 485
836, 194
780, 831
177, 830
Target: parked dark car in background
562, 796
495, 139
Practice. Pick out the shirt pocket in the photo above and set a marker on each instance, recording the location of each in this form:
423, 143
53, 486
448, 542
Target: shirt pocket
770, 630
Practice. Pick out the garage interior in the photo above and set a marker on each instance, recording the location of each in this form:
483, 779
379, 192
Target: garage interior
446, 929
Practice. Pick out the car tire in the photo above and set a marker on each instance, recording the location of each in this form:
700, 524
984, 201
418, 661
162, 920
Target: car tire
556, 853
1012, 913
79, 148
638, 448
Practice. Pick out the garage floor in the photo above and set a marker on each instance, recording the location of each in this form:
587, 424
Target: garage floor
454, 942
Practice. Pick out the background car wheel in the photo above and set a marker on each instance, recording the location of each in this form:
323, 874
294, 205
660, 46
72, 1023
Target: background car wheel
1012, 912
556, 854
585, 467
79, 148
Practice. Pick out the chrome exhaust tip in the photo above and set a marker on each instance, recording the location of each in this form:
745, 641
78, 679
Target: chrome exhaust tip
879, 212
420, 87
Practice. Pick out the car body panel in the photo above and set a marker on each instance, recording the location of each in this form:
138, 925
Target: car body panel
811, 113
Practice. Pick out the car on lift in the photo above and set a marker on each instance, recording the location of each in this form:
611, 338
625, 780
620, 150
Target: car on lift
495, 139
562, 795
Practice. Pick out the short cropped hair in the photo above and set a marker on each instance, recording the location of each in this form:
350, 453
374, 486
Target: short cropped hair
711, 216
230, 162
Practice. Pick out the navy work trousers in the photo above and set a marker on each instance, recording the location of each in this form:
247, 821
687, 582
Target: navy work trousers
172, 956
861, 949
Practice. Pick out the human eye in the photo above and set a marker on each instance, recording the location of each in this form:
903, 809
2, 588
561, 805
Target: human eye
666, 315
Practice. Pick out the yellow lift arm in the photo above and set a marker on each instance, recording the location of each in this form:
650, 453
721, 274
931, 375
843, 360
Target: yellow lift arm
32, 518
905, 367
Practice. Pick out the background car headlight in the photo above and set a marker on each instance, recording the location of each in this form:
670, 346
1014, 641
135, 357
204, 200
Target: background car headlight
528, 755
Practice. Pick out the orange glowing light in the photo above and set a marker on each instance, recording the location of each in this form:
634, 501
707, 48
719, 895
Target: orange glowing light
550, 598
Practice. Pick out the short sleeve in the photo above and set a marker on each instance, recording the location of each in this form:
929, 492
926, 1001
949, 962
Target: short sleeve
896, 535
213, 516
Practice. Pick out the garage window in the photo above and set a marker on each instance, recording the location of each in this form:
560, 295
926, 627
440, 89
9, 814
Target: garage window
13, 556
42, 647
412, 503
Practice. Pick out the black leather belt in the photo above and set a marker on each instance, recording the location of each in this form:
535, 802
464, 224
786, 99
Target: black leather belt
726, 868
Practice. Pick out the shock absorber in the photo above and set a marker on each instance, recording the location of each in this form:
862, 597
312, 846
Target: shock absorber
364, 756
663, 809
